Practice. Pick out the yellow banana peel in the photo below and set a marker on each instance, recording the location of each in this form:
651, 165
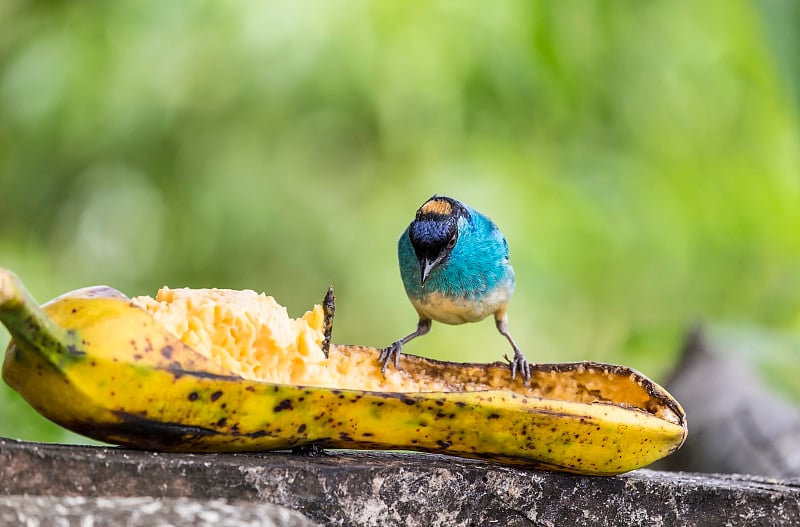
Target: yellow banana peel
96, 363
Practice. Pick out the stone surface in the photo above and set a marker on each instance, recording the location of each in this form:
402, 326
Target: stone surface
174, 512
381, 488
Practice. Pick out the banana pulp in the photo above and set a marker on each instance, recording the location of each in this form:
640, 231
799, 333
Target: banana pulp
227, 371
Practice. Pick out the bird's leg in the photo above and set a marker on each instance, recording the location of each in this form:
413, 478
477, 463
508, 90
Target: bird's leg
423, 326
520, 362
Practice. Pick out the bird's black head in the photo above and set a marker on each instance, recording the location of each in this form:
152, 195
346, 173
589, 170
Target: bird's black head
434, 232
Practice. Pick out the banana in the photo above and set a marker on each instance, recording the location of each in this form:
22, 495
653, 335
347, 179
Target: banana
96, 363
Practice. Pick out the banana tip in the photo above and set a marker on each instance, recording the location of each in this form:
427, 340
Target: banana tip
8, 289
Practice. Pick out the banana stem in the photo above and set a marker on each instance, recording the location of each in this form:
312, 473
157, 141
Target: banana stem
23, 317
9, 288
328, 307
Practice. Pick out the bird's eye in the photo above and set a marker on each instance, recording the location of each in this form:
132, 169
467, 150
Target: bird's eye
451, 243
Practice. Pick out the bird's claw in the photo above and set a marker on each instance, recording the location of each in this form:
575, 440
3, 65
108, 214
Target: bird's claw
521, 364
386, 356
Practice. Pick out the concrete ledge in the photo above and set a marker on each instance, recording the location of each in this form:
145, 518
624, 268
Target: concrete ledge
381, 488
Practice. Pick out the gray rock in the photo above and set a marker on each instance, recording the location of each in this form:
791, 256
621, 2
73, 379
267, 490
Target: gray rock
737, 423
382, 488
177, 512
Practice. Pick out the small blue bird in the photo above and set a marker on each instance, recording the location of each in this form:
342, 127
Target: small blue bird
455, 268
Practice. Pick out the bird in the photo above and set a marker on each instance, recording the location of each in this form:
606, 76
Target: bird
454, 263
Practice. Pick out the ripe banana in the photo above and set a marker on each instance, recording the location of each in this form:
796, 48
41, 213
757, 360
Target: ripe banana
97, 363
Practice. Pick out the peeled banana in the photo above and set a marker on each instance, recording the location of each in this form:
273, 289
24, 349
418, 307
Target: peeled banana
97, 363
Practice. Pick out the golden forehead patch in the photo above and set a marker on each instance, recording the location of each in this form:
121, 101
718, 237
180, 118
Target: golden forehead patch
437, 206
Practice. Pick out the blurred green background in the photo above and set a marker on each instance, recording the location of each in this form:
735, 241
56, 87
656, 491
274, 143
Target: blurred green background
642, 158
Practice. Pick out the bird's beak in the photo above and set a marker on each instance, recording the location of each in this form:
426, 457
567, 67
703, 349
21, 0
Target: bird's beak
426, 265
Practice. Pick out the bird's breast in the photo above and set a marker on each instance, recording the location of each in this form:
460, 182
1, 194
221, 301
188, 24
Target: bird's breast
459, 309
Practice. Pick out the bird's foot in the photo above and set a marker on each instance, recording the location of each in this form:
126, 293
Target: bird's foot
521, 364
392, 351
423, 326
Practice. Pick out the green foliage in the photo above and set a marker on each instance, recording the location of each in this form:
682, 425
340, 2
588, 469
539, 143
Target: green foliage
641, 157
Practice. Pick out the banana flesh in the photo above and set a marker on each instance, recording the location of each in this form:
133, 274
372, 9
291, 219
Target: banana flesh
96, 363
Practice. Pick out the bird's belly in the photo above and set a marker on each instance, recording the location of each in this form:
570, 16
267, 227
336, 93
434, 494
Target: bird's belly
459, 310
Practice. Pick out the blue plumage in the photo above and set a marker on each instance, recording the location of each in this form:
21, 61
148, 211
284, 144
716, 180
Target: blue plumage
455, 268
